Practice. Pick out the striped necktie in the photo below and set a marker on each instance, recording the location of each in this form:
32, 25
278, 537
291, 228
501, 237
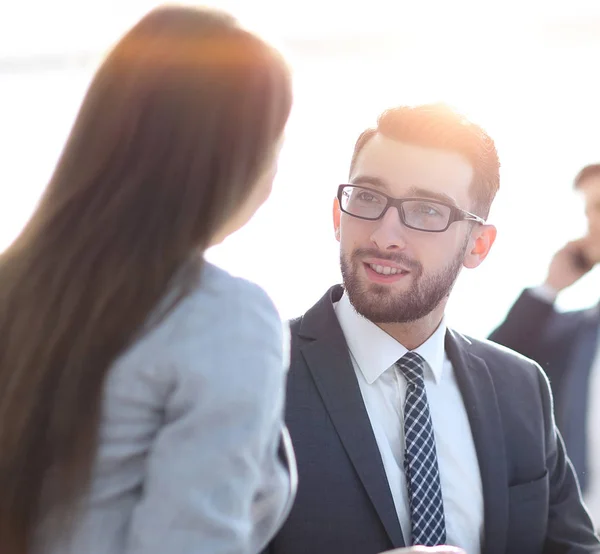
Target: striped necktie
420, 458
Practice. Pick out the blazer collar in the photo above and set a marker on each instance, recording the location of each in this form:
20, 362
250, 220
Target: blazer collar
481, 402
328, 360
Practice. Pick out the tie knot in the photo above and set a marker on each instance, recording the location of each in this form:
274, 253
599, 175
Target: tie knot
411, 365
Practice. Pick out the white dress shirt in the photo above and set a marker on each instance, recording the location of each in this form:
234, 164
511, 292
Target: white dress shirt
592, 494
383, 388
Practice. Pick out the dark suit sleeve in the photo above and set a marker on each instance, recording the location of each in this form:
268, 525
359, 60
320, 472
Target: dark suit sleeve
570, 529
524, 326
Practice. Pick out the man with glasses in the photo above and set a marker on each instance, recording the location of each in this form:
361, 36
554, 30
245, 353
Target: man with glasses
406, 432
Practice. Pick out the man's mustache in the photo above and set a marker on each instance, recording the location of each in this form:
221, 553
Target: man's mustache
396, 257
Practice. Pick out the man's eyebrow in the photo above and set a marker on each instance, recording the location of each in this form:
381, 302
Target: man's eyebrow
426, 193
368, 180
376, 182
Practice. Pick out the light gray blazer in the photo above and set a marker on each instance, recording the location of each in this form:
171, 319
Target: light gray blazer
188, 457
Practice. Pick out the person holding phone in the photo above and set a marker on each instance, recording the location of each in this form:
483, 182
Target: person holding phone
566, 345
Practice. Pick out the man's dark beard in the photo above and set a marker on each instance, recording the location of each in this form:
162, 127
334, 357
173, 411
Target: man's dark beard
379, 304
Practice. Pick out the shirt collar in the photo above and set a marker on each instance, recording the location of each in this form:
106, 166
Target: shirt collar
375, 351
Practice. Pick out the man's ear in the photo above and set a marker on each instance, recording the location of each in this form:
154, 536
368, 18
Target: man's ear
480, 243
337, 215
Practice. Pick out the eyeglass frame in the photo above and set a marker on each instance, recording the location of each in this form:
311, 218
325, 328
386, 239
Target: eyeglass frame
456, 214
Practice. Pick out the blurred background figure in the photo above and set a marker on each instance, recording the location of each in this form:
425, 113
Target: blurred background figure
566, 344
128, 423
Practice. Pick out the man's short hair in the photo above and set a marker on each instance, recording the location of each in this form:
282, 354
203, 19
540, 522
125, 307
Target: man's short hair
439, 126
588, 171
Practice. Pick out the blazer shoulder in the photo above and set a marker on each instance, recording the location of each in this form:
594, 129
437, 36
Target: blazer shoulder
501, 359
295, 324
514, 376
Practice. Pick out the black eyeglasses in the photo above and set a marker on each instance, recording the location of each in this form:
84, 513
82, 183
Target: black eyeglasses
421, 214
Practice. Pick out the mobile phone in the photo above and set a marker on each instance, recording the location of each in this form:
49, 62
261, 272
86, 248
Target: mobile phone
581, 261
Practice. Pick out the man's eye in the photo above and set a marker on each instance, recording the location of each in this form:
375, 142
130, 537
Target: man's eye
427, 209
367, 197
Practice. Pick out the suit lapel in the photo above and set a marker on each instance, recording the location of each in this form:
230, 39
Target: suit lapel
329, 362
481, 403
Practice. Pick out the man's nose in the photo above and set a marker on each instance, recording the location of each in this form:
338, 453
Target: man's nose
390, 232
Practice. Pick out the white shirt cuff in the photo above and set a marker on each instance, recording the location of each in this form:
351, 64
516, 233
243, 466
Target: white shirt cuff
545, 293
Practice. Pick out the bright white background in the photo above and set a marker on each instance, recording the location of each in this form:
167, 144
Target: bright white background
527, 73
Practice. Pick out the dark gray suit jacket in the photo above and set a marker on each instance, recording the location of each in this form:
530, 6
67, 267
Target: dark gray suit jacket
564, 344
344, 505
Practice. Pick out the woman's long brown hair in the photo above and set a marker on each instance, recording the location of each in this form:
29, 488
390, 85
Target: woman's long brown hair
176, 127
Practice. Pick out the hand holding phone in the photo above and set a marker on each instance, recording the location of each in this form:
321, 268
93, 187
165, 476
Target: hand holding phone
568, 265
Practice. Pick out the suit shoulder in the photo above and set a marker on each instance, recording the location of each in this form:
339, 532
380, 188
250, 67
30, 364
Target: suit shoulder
501, 359
486, 348
511, 372
295, 324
